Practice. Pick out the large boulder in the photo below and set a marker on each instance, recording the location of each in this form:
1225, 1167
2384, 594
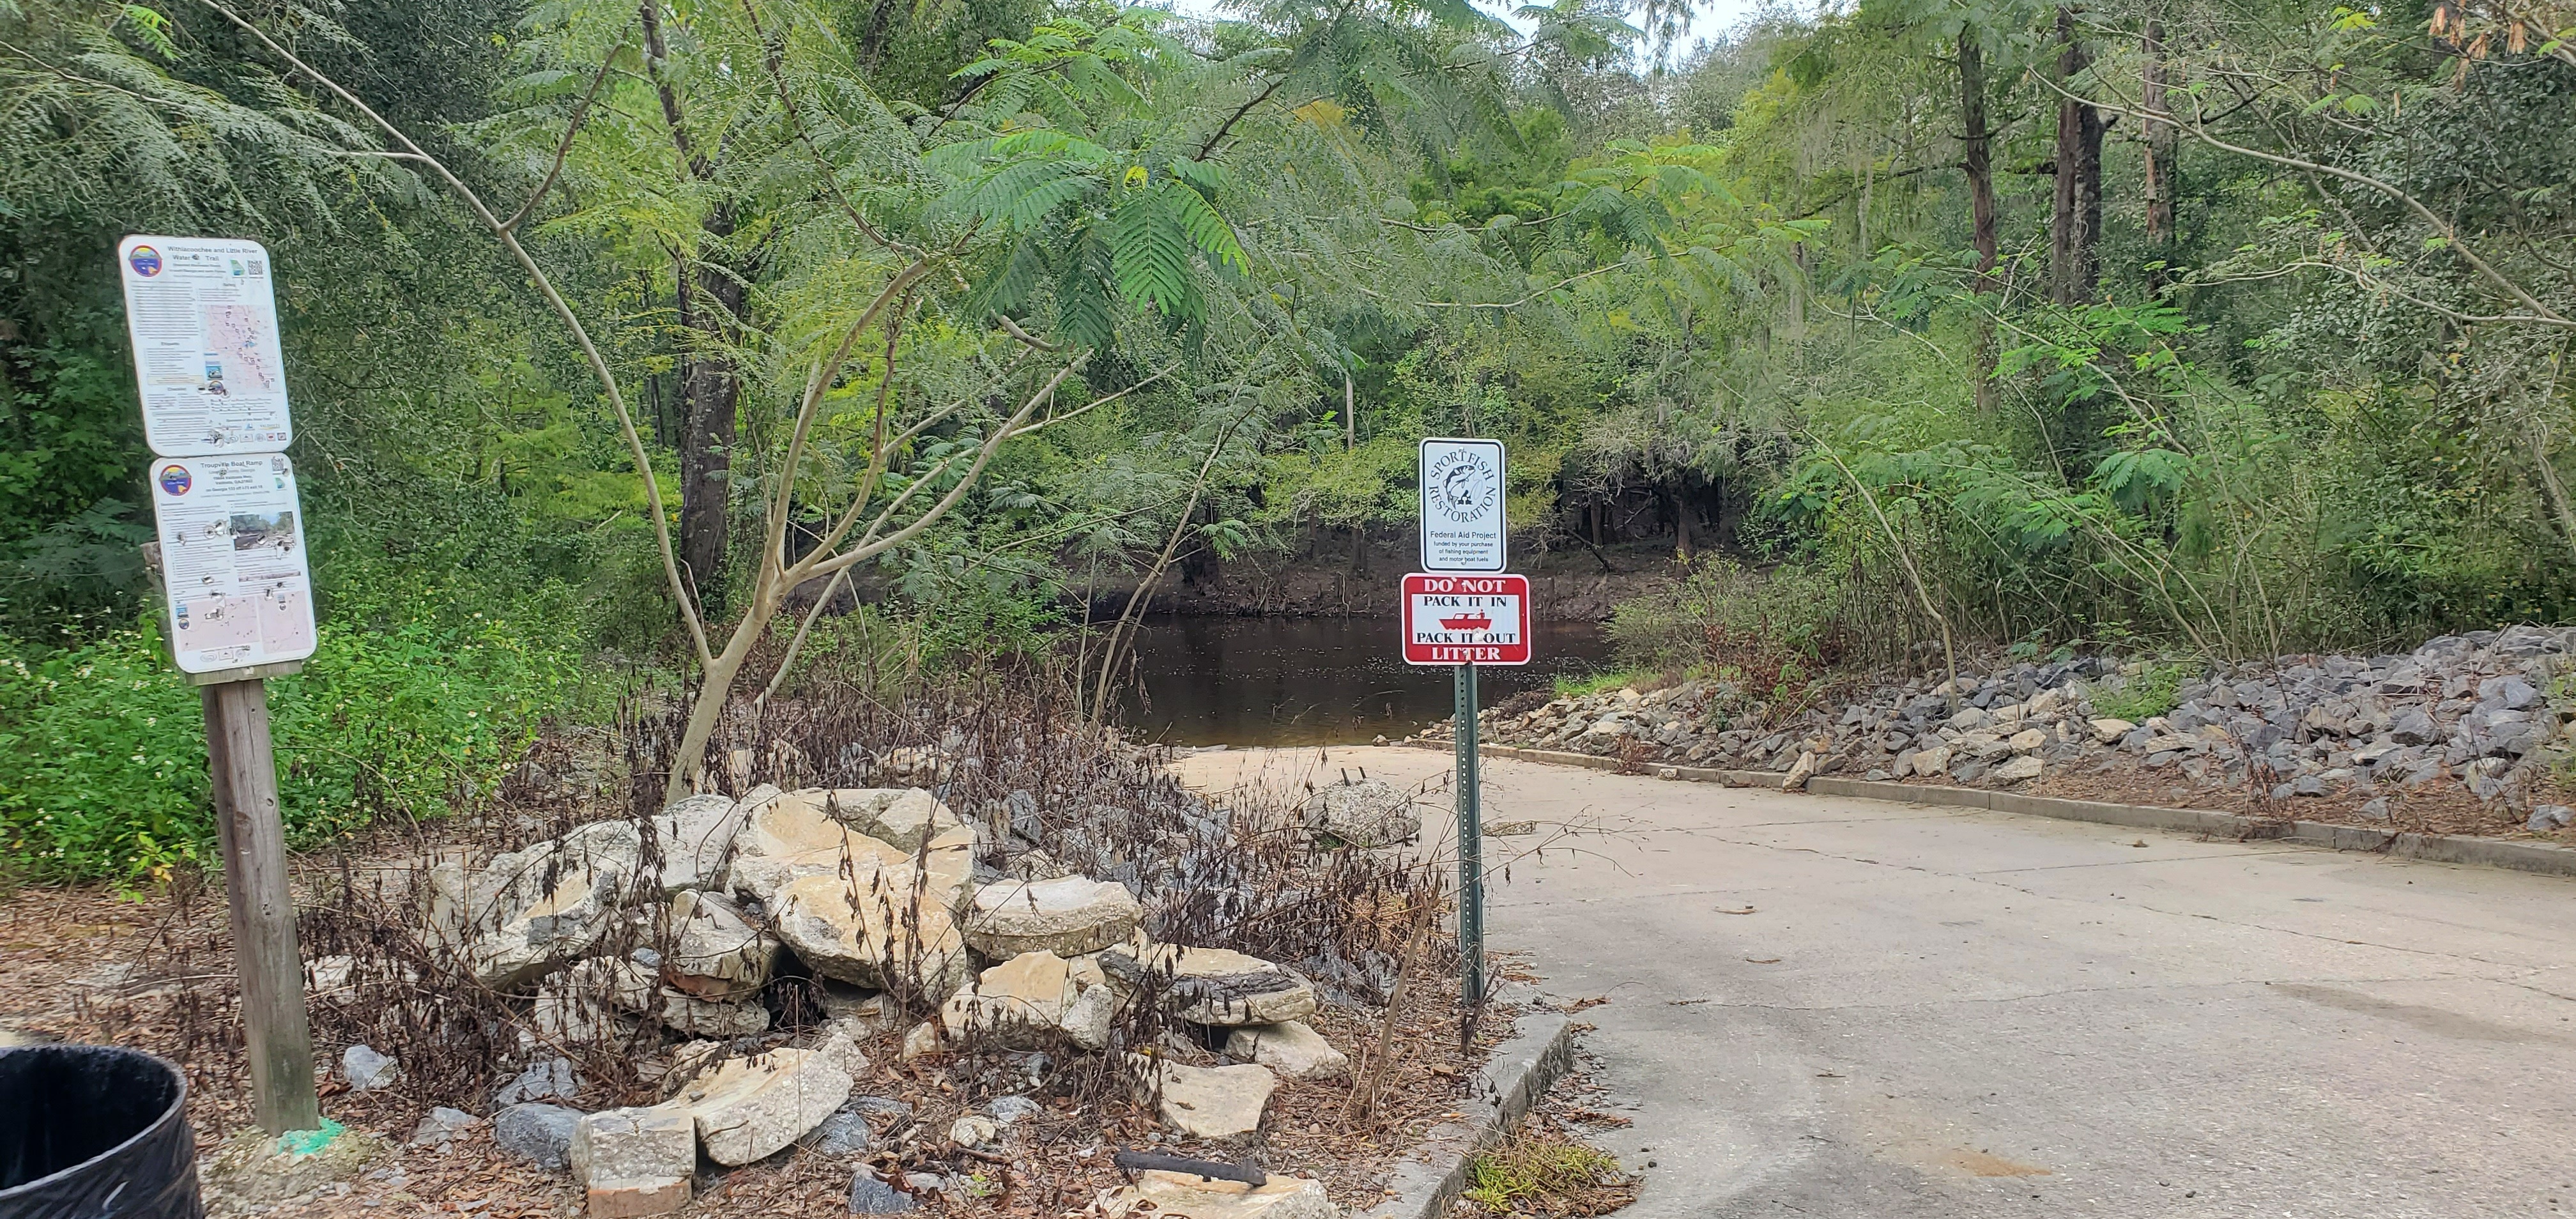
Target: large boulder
872, 929
1206, 1102
528, 911
748, 1108
1190, 1196
1217, 986
1366, 813
1068, 916
716, 953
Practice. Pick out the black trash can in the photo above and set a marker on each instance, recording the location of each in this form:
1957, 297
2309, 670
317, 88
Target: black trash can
94, 1132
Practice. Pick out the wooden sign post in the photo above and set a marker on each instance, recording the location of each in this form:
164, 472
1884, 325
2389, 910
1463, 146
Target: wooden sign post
252, 835
237, 595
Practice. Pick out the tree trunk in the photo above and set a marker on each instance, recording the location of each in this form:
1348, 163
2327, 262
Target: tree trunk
1976, 159
1683, 543
1350, 415
2076, 222
1976, 156
711, 307
2161, 142
707, 388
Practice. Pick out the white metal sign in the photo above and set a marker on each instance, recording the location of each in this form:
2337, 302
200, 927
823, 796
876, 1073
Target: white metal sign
1466, 620
1462, 505
203, 316
232, 561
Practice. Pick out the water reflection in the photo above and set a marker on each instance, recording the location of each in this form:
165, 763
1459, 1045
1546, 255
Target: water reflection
1313, 681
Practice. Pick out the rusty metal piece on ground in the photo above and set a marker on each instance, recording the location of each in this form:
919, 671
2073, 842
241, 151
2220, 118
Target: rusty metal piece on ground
1142, 1161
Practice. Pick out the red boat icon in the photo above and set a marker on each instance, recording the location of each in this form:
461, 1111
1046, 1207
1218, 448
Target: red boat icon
1468, 622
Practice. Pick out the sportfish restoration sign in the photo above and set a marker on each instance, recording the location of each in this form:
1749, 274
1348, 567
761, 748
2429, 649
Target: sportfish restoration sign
1462, 506
1466, 620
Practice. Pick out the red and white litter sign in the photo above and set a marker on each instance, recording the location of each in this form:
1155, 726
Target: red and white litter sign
1466, 620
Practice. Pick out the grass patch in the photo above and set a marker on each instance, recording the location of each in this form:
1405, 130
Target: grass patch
1541, 1173
2143, 694
1584, 685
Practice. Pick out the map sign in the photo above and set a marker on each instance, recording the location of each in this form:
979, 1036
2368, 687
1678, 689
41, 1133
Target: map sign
1462, 505
203, 316
232, 560
1466, 620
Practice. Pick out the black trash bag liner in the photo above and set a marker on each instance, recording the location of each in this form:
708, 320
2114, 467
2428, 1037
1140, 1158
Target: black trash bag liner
94, 1132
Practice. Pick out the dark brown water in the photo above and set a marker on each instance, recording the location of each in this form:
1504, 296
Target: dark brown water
1315, 681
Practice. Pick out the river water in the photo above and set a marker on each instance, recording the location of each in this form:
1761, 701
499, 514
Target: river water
1315, 681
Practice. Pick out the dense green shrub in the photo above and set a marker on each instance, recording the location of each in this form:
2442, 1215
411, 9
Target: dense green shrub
103, 753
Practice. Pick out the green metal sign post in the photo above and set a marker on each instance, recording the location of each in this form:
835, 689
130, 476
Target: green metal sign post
1471, 846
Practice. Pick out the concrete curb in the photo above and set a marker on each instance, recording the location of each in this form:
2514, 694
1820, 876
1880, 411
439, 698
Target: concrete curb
2536, 857
1521, 1070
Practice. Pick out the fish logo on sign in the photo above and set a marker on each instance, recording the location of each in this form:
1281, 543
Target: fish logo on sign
175, 479
1464, 486
145, 260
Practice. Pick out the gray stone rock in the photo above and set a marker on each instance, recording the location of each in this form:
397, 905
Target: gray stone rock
881, 1106
845, 1133
552, 1079
538, 1133
2375, 808
870, 1196
443, 1125
365, 1069
2509, 693
2549, 817
2018, 770
1008, 1109
2413, 727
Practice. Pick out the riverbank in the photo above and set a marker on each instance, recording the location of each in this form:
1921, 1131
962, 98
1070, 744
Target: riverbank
2465, 735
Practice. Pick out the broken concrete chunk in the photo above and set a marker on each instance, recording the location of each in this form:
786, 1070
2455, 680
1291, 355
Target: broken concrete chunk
871, 930
1206, 1102
1214, 985
1366, 813
686, 1013
627, 1198
694, 837
748, 1108
716, 951
531, 910
1187, 1196
1068, 916
792, 837
1292, 1049
1014, 1001
652, 1144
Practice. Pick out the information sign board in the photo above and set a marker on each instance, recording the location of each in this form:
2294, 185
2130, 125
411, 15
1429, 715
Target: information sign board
1466, 620
232, 560
203, 316
1462, 505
